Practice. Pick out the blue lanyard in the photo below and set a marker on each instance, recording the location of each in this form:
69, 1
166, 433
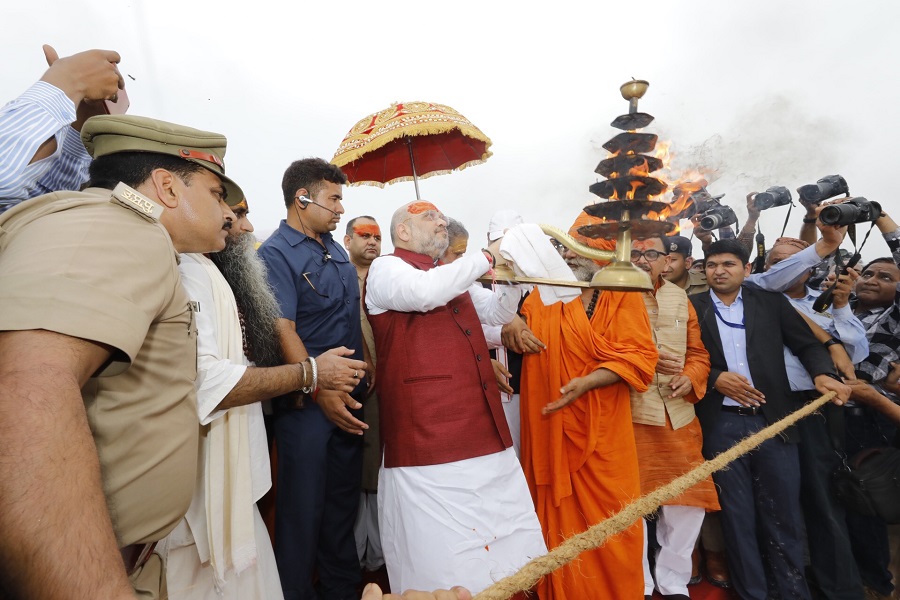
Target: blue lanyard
732, 325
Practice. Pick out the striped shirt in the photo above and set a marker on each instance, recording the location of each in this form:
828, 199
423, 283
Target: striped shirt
40, 113
882, 328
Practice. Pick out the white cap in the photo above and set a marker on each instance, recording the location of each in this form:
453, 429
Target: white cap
501, 221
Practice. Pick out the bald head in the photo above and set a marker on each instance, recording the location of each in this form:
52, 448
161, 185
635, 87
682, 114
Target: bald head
420, 227
783, 248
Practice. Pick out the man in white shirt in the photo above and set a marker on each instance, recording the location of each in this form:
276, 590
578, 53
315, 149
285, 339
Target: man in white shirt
453, 503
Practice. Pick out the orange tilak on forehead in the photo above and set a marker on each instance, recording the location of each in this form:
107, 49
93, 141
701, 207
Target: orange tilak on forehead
417, 208
372, 229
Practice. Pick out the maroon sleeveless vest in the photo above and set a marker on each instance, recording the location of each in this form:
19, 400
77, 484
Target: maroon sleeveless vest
439, 400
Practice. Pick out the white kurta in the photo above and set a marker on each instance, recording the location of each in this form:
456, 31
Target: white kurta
469, 522
188, 572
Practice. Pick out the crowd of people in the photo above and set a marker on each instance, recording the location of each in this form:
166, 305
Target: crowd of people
426, 426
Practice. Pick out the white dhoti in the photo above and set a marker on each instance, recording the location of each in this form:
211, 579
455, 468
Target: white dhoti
189, 579
469, 523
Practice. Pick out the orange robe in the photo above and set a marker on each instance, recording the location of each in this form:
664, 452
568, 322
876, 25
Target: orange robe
581, 462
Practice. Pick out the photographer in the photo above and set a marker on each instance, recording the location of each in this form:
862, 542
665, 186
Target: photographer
808, 231
830, 552
876, 302
748, 231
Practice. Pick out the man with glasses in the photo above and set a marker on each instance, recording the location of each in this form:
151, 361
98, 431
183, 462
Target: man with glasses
666, 430
453, 503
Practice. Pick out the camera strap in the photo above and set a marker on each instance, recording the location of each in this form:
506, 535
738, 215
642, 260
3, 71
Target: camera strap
786, 219
759, 265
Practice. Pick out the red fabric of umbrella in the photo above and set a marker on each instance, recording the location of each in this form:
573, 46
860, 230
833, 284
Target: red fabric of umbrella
410, 140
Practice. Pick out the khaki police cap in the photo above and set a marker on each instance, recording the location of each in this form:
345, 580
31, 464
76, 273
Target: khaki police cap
109, 134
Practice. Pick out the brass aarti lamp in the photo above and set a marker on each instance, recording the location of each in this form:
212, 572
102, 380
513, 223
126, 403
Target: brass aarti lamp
629, 189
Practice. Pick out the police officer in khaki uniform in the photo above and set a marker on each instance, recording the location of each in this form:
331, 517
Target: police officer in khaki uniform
679, 270
98, 425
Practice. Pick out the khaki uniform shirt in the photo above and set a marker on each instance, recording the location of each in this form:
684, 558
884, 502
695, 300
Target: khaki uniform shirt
99, 266
696, 283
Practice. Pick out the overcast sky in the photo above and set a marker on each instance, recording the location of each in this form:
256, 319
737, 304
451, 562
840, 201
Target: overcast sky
763, 93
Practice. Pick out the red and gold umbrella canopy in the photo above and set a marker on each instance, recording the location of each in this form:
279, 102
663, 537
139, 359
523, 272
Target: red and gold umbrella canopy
410, 141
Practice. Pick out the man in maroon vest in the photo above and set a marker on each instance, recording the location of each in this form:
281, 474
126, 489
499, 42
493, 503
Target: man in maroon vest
453, 503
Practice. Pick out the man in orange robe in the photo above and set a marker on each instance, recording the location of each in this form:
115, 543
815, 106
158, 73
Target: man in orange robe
578, 449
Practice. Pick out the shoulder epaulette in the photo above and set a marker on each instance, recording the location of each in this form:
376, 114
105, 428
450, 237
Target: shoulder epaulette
125, 196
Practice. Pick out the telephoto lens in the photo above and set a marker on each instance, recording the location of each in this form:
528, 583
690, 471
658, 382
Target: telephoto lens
774, 196
854, 210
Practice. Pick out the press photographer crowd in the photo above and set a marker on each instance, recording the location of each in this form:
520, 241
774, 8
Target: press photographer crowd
188, 412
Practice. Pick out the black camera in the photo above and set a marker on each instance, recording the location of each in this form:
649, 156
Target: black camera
854, 210
823, 189
700, 200
717, 217
774, 196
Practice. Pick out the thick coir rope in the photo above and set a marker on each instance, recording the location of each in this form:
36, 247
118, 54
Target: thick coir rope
597, 535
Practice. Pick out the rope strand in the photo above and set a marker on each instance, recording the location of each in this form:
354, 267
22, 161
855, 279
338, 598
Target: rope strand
597, 535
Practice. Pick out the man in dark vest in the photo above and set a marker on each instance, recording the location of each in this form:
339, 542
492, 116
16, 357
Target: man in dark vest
453, 503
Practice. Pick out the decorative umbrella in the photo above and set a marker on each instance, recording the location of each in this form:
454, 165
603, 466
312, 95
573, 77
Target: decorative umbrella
410, 140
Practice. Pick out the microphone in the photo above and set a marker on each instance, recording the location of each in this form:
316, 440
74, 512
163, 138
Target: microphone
306, 202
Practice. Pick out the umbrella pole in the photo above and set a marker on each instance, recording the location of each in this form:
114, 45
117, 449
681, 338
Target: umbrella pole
412, 161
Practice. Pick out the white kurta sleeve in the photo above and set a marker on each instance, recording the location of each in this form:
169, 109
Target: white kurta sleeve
492, 336
216, 376
392, 284
498, 306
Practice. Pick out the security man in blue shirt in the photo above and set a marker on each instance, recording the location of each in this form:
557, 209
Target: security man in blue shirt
319, 437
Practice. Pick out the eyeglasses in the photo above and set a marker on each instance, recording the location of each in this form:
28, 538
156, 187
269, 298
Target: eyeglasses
429, 215
649, 255
558, 245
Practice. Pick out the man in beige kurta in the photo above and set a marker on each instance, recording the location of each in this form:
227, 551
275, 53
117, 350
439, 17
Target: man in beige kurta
363, 243
666, 430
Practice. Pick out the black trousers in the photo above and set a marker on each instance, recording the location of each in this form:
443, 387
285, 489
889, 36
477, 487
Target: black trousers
867, 428
761, 516
319, 477
830, 551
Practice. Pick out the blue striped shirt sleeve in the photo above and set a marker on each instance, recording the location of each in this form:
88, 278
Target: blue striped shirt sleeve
43, 111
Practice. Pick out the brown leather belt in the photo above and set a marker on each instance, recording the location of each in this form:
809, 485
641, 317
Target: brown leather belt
136, 555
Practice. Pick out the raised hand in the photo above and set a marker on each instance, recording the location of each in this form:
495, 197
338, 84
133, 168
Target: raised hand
89, 75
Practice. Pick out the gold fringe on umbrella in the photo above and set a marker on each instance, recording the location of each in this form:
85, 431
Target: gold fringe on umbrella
407, 119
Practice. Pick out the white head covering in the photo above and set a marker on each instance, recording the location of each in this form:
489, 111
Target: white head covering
501, 221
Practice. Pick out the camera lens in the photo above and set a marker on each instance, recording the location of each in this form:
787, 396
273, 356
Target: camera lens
764, 200
839, 214
710, 222
855, 210
823, 189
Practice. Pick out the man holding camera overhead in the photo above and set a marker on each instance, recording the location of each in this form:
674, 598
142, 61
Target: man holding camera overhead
877, 304
744, 331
